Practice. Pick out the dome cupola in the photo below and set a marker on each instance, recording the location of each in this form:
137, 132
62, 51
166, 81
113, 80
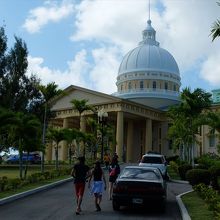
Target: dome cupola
149, 74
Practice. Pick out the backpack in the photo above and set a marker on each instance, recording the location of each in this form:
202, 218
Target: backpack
113, 172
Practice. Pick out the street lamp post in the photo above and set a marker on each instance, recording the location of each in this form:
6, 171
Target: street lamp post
102, 117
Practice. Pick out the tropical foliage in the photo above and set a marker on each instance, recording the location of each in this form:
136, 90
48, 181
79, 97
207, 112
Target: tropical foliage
215, 31
186, 119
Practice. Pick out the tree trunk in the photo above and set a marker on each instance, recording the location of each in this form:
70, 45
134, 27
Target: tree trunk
26, 166
20, 161
56, 156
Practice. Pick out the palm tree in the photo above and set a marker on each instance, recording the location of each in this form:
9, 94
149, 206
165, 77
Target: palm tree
56, 135
215, 31
186, 117
213, 120
69, 136
81, 106
49, 92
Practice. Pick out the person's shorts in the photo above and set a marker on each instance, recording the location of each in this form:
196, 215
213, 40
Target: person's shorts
80, 188
112, 179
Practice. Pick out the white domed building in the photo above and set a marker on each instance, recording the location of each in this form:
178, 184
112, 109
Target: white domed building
149, 74
148, 82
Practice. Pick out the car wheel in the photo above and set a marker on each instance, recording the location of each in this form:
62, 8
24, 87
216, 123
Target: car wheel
115, 206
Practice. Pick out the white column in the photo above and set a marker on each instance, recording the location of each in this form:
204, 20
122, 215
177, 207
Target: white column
120, 135
64, 154
148, 135
130, 146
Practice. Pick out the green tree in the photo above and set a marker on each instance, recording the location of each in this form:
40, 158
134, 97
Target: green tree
186, 116
56, 135
81, 106
7, 119
18, 92
23, 132
71, 135
215, 31
48, 92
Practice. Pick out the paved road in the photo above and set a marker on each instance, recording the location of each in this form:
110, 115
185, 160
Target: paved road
59, 204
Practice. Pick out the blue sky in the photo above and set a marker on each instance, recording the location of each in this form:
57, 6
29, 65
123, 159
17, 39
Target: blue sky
83, 42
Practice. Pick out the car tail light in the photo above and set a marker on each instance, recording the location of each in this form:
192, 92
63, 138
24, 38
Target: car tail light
119, 189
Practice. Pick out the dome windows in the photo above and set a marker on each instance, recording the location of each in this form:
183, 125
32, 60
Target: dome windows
141, 84
129, 86
166, 86
154, 84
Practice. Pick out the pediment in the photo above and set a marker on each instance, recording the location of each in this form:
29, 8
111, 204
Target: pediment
74, 92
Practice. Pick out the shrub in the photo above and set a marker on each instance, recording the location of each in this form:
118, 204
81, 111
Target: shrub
172, 158
196, 176
3, 183
182, 169
208, 160
215, 173
14, 183
47, 175
174, 166
210, 196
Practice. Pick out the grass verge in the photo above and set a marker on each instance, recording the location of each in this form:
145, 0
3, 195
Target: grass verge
173, 175
196, 207
30, 186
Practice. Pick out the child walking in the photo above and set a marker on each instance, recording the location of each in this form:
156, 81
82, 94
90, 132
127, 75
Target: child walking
97, 187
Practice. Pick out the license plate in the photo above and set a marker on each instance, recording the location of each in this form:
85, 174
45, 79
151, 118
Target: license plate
137, 201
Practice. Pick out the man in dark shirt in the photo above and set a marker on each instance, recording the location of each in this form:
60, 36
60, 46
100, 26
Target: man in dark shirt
80, 173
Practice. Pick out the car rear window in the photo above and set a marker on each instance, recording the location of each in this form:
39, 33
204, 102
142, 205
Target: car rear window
149, 159
139, 174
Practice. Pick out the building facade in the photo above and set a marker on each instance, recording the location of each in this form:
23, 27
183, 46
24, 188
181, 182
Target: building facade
148, 83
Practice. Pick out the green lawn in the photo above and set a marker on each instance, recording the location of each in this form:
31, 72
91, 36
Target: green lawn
12, 172
197, 208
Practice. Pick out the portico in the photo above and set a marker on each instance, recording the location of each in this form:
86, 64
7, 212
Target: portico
136, 126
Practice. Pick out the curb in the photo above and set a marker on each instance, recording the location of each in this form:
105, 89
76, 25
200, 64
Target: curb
183, 210
32, 191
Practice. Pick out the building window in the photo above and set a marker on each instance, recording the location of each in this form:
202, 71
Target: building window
166, 86
129, 86
141, 84
212, 138
121, 87
154, 85
174, 87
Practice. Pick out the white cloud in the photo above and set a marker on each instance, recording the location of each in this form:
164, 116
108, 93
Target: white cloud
50, 12
103, 75
111, 21
183, 27
75, 73
211, 70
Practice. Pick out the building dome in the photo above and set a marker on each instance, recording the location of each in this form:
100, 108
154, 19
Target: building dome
149, 74
148, 58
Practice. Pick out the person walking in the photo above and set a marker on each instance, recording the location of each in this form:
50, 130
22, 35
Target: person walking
80, 173
114, 171
106, 160
98, 177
